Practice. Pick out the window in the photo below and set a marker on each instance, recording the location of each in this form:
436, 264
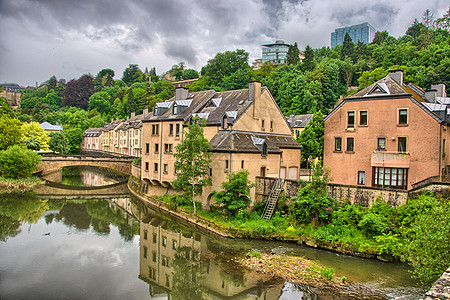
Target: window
242, 164
171, 129
350, 144
145, 252
210, 171
362, 177
166, 168
155, 236
226, 164
174, 245
381, 144
168, 148
363, 117
145, 234
164, 241
271, 125
156, 148
338, 144
177, 129
403, 116
154, 256
402, 144
262, 124
175, 109
155, 129
164, 261
167, 280
350, 119
146, 166
443, 147
265, 149
224, 122
156, 167
151, 273
390, 177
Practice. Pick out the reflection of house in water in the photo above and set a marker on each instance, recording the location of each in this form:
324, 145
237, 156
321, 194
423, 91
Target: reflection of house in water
180, 265
94, 177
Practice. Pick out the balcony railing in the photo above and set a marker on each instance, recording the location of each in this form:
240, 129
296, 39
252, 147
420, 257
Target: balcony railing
390, 159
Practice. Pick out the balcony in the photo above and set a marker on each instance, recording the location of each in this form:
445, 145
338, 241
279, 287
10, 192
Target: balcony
389, 159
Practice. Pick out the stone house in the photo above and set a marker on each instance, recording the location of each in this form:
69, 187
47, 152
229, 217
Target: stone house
110, 136
388, 135
298, 123
246, 130
92, 139
129, 135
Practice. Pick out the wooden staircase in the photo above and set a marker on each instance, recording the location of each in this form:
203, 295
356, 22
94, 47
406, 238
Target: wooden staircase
272, 201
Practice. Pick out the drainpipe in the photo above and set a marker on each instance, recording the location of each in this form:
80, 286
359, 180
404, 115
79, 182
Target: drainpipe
160, 151
440, 151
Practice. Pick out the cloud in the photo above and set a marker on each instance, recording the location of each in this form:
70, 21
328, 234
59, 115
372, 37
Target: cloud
41, 38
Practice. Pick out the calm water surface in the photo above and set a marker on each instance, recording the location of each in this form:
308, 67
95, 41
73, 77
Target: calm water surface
120, 249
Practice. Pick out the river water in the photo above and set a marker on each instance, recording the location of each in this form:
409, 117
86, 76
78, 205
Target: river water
118, 248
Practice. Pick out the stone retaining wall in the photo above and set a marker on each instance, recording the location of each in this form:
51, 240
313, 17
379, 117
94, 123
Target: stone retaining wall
440, 289
136, 171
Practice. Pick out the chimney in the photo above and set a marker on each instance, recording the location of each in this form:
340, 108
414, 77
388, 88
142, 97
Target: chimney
430, 95
181, 93
440, 88
145, 112
117, 119
133, 114
254, 95
397, 75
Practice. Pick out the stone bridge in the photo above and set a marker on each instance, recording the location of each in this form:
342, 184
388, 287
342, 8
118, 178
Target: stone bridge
52, 163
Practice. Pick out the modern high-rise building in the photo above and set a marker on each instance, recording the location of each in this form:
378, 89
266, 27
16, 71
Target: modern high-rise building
275, 53
362, 32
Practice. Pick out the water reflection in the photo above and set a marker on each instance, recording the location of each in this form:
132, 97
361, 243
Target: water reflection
85, 176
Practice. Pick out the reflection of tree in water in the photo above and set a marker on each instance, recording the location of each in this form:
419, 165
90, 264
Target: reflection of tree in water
187, 274
19, 208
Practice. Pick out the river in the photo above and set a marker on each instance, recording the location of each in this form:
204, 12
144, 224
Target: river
118, 248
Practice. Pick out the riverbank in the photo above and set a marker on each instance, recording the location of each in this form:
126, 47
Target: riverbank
23, 184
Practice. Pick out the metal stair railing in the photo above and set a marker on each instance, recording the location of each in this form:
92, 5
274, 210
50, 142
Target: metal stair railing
272, 201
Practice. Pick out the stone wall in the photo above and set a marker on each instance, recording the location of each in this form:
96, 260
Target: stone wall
441, 288
59, 191
264, 187
136, 171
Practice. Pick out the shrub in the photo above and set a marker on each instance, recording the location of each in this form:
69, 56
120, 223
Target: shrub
58, 142
18, 162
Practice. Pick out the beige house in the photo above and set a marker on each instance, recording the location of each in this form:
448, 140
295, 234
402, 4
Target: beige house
246, 130
298, 123
389, 135
129, 135
92, 139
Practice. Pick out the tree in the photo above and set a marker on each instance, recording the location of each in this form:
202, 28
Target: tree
428, 18
132, 74
74, 139
414, 29
190, 74
444, 22
104, 78
308, 61
100, 101
224, 64
380, 37
192, 162
58, 142
18, 162
34, 132
132, 105
292, 56
77, 92
312, 138
5, 109
348, 47
52, 83
312, 204
10, 132
235, 196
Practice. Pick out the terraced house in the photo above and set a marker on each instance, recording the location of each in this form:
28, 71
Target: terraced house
245, 128
389, 135
129, 135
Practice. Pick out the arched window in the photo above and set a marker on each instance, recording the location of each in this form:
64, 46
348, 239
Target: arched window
175, 109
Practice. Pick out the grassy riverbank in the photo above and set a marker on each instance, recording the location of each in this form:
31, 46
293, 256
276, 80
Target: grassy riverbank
10, 184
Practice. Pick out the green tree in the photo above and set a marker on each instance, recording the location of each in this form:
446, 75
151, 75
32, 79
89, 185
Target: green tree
414, 29
100, 101
235, 194
5, 109
132, 105
192, 162
52, 83
292, 57
308, 61
190, 74
312, 138
444, 22
312, 204
428, 243
369, 77
10, 132
348, 47
132, 74
34, 132
74, 139
58, 142
380, 37
225, 64
18, 162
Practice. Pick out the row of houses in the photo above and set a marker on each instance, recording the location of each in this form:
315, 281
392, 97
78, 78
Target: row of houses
245, 128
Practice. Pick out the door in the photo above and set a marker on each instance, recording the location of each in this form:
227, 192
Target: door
283, 172
293, 173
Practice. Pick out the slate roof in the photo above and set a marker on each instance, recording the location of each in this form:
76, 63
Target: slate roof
112, 125
133, 122
48, 126
237, 141
299, 121
96, 131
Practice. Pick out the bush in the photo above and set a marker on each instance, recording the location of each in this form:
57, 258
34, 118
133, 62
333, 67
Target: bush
58, 142
18, 162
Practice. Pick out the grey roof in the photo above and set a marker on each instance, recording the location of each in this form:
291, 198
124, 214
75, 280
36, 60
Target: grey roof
93, 131
435, 106
237, 141
133, 122
299, 121
443, 100
112, 125
48, 126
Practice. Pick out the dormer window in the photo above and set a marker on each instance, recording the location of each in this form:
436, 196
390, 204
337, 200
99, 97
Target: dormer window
225, 122
175, 109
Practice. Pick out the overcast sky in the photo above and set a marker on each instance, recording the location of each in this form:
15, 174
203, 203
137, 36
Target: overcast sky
68, 38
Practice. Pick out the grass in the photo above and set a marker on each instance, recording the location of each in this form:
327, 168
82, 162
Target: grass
21, 183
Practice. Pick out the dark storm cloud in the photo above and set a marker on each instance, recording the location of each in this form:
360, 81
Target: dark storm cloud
66, 37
